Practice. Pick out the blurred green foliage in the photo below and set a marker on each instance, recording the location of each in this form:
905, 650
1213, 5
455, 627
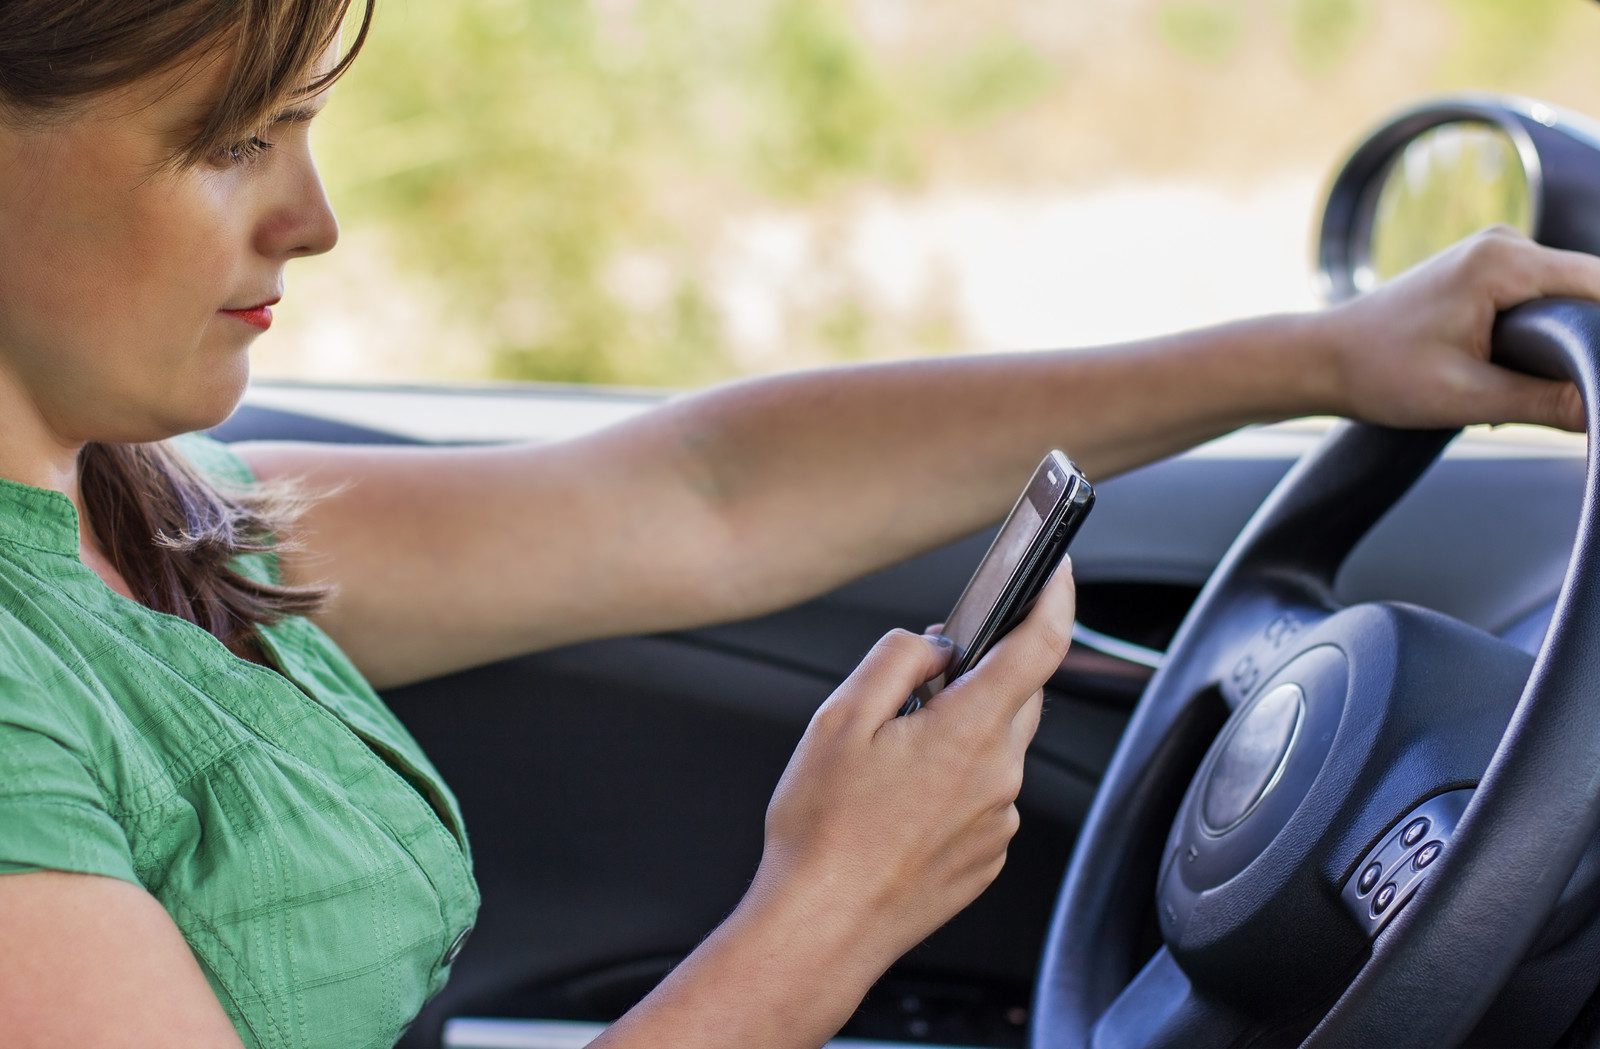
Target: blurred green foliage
1325, 31
1500, 39
558, 172
522, 153
1207, 30
828, 106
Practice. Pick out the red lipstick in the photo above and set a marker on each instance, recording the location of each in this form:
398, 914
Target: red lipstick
256, 316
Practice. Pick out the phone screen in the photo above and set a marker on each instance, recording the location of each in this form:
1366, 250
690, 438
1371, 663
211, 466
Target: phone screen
999, 565
1024, 552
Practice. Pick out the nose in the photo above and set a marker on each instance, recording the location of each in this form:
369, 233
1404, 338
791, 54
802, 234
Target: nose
301, 221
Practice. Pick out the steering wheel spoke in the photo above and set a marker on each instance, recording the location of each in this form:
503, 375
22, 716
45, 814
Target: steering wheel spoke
1267, 621
1162, 1009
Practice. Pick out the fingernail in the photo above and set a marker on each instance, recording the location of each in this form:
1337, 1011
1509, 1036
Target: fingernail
940, 640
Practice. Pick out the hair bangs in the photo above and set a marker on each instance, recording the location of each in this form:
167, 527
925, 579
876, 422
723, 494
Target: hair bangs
55, 53
276, 47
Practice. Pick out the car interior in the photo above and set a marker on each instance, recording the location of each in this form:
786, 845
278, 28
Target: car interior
1318, 768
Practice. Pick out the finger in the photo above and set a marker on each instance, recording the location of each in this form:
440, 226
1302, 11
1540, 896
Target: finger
1562, 272
1022, 661
1522, 269
1504, 395
897, 664
936, 628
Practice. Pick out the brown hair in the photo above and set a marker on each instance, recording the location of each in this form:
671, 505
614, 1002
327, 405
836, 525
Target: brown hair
54, 53
169, 531
172, 532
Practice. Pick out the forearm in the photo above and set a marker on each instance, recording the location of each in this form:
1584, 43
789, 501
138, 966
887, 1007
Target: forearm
770, 975
821, 476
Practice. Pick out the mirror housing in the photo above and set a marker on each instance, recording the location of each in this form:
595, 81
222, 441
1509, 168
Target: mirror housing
1551, 157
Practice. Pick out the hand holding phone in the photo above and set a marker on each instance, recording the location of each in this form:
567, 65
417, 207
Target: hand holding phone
1027, 549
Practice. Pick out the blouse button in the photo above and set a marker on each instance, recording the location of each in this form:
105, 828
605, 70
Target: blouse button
455, 948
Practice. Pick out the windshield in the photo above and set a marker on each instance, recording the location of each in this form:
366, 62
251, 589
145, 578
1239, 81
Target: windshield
664, 193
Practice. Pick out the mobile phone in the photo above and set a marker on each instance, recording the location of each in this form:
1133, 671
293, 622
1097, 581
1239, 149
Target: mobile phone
1026, 550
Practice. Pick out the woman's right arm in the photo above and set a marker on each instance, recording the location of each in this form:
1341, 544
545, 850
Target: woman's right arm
880, 830
93, 960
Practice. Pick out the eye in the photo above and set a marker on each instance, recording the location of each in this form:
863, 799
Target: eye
245, 152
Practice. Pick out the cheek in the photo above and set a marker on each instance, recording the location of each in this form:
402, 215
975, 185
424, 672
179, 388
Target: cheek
168, 254
95, 257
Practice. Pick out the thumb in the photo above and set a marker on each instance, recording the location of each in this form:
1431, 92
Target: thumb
897, 664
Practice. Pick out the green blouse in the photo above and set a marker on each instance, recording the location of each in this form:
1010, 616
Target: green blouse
312, 856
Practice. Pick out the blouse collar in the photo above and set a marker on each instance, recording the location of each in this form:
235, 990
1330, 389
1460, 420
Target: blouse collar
38, 517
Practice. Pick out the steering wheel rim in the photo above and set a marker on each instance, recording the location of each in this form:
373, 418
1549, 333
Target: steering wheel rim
1536, 806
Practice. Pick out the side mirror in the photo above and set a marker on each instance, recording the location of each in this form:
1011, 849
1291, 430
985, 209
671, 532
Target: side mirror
1440, 172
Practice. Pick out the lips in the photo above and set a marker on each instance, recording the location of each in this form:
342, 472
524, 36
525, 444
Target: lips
258, 316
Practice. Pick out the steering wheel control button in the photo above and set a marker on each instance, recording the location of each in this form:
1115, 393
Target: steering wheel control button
1415, 831
1252, 759
1402, 859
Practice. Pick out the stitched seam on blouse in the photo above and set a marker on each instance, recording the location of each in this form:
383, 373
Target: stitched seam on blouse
15, 541
106, 806
243, 974
250, 731
350, 974
104, 620
345, 888
78, 664
432, 824
61, 803
131, 811
76, 806
141, 812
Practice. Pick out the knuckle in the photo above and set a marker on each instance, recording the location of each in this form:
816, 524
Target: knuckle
897, 646
1484, 251
830, 716
898, 639
1002, 784
1010, 822
1502, 246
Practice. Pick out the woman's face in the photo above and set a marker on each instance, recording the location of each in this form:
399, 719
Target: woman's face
117, 268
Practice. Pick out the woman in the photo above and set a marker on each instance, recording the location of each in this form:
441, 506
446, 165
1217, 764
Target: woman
215, 831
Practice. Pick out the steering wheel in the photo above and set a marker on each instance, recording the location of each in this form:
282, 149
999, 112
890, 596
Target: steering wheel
1392, 811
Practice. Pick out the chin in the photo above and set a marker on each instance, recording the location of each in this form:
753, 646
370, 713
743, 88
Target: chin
205, 406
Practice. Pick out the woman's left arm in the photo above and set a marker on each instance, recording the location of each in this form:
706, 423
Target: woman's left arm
759, 494
825, 475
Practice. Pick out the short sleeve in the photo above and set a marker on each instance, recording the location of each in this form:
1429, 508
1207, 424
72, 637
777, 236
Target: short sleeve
52, 813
